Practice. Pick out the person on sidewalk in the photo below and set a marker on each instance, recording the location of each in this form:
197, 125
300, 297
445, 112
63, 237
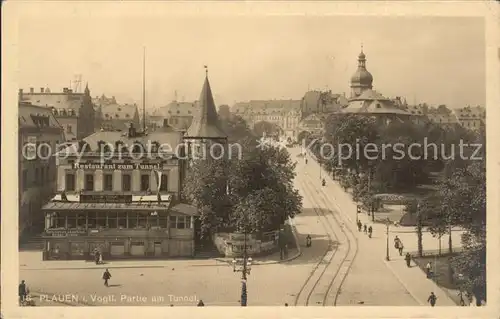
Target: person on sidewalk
397, 241
432, 299
400, 248
106, 276
370, 231
359, 225
365, 229
201, 304
408, 259
428, 268
308, 241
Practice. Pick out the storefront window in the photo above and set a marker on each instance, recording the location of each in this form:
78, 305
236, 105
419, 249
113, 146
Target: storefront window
162, 220
101, 219
180, 222
77, 249
92, 220
58, 220
132, 220
80, 220
142, 220
121, 219
71, 220
112, 222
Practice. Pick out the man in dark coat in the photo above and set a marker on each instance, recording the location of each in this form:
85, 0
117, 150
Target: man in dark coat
106, 276
432, 299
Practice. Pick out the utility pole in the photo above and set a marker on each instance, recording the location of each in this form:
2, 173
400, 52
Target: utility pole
144, 90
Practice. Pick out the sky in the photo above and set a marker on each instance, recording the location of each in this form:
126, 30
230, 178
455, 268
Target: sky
437, 60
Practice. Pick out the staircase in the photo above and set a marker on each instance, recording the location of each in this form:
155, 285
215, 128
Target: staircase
206, 251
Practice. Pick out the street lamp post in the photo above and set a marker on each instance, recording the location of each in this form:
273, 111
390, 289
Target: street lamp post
245, 269
387, 223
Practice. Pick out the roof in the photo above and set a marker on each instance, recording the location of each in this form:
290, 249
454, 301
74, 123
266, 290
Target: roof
29, 113
471, 113
119, 111
176, 108
206, 123
59, 101
314, 118
185, 209
443, 118
372, 102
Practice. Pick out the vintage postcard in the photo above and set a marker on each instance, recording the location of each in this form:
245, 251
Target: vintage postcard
284, 159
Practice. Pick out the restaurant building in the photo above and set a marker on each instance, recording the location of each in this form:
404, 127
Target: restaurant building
125, 205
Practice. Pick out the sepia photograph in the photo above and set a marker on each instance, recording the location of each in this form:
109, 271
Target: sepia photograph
247, 160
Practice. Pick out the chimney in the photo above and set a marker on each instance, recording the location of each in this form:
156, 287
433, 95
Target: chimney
32, 90
41, 90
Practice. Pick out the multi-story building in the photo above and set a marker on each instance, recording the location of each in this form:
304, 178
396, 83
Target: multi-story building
118, 116
366, 101
178, 114
129, 204
39, 135
285, 114
74, 111
472, 118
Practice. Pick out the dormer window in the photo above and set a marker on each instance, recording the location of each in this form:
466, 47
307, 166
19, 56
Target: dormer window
127, 115
116, 115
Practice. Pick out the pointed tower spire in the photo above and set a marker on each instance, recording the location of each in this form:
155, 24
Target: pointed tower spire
87, 91
206, 124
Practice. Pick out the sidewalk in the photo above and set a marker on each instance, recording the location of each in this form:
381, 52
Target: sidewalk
413, 279
33, 261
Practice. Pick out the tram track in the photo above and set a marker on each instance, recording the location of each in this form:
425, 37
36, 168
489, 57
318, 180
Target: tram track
323, 285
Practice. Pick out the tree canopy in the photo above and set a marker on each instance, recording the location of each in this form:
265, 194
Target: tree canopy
255, 191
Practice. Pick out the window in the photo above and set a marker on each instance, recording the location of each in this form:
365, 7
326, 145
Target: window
164, 183
144, 182
112, 221
25, 179
180, 222
132, 220
162, 221
89, 182
126, 182
142, 220
81, 220
121, 219
71, 221
108, 182
69, 129
70, 182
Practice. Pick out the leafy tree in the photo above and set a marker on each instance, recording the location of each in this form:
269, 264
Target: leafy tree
236, 129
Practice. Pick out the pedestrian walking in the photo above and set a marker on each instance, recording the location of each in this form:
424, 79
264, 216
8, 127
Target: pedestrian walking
428, 268
408, 259
201, 304
400, 248
106, 276
370, 231
23, 292
308, 241
397, 241
461, 295
97, 256
365, 229
100, 259
432, 299
359, 225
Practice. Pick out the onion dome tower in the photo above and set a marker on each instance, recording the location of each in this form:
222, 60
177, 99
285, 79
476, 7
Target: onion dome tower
362, 79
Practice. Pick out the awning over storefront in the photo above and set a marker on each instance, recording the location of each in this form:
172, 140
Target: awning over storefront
185, 209
66, 206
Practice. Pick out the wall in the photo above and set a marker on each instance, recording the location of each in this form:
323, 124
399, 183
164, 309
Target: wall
226, 242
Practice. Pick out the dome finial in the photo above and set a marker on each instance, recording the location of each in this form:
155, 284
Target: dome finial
206, 70
361, 47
